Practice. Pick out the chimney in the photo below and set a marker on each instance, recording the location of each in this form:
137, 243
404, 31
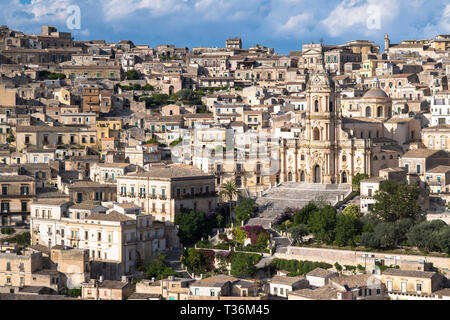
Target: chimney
100, 279
125, 279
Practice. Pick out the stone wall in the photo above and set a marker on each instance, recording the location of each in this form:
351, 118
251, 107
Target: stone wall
348, 257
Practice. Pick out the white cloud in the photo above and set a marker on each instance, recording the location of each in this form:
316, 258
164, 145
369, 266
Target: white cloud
296, 24
369, 16
44, 10
123, 9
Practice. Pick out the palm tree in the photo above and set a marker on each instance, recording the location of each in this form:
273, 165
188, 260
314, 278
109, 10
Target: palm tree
229, 190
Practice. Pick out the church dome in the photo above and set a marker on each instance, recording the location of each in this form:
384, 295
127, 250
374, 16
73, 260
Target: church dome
375, 93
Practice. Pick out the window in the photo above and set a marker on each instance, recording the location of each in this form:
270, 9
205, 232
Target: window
212, 293
419, 287
316, 134
379, 112
8, 266
24, 190
4, 190
5, 206
403, 284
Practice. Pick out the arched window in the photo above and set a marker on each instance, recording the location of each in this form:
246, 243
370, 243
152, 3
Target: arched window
383, 158
375, 158
331, 106
379, 112
290, 176
302, 176
391, 157
344, 177
368, 112
344, 158
316, 134
302, 157
316, 106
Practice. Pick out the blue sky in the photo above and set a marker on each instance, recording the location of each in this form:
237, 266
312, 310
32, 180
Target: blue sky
282, 24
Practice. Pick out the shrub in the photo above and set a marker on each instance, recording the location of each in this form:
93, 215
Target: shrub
296, 267
253, 232
302, 216
7, 230
243, 264
198, 261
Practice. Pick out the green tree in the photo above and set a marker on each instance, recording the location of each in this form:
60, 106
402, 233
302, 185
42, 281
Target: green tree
384, 236
11, 137
229, 190
192, 226
443, 239
425, 235
243, 264
298, 232
75, 292
158, 269
352, 210
198, 261
369, 240
322, 224
338, 267
348, 228
239, 234
396, 201
245, 209
302, 217
357, 180
262, 240
132, 75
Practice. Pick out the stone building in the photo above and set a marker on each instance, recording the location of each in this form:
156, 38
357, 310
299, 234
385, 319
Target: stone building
330, 150
164, 192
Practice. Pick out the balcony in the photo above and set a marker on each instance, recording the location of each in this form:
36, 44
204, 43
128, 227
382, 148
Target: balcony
16, 196
197, 195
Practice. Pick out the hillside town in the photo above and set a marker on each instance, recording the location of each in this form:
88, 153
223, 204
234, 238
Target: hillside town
129, 172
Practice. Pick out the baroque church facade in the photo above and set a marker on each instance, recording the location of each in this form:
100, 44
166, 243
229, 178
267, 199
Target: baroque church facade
331, 148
